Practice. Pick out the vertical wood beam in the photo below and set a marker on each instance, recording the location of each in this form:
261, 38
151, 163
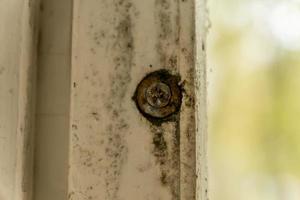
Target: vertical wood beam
115, 152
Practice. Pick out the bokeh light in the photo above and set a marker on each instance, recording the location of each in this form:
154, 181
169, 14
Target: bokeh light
254, 99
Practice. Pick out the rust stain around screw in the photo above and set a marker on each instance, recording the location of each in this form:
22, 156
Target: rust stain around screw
158, 95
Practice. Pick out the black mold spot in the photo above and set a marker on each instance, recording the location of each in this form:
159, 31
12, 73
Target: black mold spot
163, 178
173, 61
160, 145
74, 126
168, 33
123, 47
167, 155
96, 116
165, 25
42, 8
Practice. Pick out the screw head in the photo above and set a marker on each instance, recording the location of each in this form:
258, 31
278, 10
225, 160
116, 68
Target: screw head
158, 95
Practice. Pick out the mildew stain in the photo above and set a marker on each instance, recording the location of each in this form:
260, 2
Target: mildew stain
166, 136
123, 49
166, 149
188, 137
168, 33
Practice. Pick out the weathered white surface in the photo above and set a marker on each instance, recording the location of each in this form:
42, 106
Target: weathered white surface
202, 25
114, 153
53, 100
17, 75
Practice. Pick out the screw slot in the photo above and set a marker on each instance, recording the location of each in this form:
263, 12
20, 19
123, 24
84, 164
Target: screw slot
158, 95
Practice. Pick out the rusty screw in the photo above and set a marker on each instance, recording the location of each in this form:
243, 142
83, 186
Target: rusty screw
158, 95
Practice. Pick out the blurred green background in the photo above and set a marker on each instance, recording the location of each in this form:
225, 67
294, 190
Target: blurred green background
254, 99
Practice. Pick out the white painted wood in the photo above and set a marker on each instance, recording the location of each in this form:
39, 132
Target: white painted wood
202, 25
112, 152
101, 148
17, 75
